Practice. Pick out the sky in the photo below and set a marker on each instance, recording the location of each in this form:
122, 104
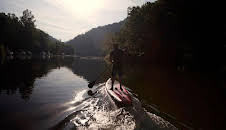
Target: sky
65, 19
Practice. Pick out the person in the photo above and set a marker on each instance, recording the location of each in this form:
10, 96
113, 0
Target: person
116, 58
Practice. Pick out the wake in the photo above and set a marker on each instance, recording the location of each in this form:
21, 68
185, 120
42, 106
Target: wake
100, 112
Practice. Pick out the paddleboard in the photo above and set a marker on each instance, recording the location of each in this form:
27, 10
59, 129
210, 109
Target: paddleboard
120, 96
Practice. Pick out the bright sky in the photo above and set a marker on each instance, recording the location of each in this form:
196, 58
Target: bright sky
64, 19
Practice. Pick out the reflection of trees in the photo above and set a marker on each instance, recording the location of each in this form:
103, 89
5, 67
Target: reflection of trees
89, 69
19, 75
26, 90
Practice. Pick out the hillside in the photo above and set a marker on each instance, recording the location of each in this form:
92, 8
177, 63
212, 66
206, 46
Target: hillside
91, 43
20, 34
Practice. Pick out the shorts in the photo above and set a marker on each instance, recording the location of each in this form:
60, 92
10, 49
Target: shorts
116, 70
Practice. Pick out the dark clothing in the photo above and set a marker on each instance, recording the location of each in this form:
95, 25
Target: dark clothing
116, 70
116, 57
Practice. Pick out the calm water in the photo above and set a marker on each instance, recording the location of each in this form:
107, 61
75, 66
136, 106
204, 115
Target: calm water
52, 94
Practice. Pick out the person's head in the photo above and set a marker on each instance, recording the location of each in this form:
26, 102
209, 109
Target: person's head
115, 46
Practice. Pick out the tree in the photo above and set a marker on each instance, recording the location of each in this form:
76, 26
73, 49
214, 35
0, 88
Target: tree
27, 19
2, 53
20, 34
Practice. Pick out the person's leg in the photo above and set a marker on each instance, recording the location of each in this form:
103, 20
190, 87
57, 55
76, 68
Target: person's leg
112, 82
113, 77
120, 77
120, 81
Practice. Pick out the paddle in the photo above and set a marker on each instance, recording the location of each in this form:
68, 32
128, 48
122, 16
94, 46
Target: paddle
91, 84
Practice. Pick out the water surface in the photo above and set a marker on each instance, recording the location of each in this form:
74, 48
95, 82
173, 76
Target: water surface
51, 93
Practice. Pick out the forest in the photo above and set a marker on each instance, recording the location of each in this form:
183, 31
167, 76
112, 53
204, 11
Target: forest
171, 33
21, 34
175, 33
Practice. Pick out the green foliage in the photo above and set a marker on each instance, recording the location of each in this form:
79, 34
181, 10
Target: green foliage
2, 53
166, 31
27, 19
21, 34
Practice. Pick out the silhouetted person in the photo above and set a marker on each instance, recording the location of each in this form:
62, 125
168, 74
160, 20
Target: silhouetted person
116, 58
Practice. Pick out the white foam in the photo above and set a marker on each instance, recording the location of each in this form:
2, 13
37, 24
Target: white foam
100, 112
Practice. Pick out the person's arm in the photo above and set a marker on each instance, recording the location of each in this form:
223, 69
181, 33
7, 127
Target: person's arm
123, 55
110, 58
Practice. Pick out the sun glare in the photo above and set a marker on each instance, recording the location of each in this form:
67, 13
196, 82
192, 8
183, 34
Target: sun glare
82, 7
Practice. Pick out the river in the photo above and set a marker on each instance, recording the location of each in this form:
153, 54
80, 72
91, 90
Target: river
51, 93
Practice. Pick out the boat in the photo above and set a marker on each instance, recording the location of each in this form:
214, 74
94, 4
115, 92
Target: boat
121, 97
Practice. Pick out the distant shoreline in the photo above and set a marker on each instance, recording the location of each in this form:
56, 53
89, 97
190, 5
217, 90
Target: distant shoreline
89, 57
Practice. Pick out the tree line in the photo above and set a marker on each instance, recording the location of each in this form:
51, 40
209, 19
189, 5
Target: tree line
20, 33
175, 32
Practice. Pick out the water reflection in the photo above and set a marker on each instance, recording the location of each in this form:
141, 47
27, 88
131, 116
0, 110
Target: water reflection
89, 69
20, 75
